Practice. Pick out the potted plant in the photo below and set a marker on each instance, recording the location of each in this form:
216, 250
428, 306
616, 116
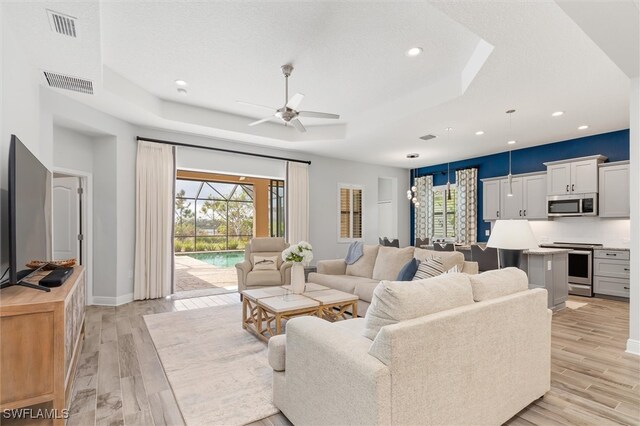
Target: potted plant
299, 255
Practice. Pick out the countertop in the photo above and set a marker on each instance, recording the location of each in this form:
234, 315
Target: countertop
613, 248
544, 250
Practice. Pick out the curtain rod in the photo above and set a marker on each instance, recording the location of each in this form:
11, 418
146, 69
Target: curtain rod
444, 172
228, 151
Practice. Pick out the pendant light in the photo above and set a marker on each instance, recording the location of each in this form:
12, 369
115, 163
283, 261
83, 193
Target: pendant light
510, 142
448, 166
412, 194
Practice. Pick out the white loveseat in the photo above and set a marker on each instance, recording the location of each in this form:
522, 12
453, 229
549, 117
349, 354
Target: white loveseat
378, 263
475, 364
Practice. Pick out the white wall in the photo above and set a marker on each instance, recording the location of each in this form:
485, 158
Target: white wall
610, 232
633, 344
324, 176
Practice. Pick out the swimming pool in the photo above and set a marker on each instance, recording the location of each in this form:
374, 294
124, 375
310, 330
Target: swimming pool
221, 259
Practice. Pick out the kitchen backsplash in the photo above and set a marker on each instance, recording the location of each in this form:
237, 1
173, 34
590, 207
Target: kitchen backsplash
610, 232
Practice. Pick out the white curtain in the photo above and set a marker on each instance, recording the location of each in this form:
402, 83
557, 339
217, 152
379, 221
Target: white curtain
155, 182
424, 212
297, 202
466, 206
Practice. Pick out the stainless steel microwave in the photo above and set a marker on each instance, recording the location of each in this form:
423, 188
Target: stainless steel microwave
572, 205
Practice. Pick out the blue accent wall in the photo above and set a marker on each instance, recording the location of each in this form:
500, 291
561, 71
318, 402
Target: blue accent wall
614, 145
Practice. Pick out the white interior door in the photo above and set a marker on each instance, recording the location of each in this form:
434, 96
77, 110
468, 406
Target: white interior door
66, 218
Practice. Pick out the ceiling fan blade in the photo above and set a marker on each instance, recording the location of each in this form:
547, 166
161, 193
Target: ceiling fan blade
295, 100
317, 114
255, 123
256, 105
298, 125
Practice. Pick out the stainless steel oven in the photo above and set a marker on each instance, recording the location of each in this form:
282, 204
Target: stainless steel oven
580, 273
572, 205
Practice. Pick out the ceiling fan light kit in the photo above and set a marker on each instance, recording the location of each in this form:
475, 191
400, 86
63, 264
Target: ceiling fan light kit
289, 113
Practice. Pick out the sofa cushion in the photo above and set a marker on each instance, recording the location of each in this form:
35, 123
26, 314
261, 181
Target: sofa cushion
400, 301
277, 352
258, 278
364, 291
259, 244
390, 261
354, 326
498, 283
408, 271
429, 268
449, 258
363, 267
346, 283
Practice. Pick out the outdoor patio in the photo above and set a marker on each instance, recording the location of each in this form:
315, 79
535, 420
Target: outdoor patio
196, 275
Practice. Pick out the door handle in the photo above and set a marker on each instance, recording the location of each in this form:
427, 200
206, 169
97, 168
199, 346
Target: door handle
567, 188
626, 288
520, 212
498, 213
611, 254
525, 212
573, 187
627, 269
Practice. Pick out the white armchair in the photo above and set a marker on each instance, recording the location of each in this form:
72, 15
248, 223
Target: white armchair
268, 246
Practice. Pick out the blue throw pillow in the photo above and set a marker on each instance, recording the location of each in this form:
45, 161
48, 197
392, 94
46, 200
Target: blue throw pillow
408, 271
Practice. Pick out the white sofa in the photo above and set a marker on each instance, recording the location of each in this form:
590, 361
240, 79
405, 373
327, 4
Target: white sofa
475, 364
378, 263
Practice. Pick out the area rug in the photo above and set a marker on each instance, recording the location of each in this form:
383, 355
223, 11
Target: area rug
219, 372
575, 305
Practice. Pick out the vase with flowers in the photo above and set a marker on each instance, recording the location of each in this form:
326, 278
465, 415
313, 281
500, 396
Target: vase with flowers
299, 255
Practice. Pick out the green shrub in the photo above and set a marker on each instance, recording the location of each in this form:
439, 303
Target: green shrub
187, 245
178, 246
233, 244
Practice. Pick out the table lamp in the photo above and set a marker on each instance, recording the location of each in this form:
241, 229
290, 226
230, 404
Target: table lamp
511, 237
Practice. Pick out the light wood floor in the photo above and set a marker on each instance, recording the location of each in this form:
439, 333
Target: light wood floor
120, 380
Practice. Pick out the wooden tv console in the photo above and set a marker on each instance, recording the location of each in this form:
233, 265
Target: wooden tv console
42, 336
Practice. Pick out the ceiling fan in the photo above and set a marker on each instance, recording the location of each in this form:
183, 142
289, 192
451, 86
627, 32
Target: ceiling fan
289, 112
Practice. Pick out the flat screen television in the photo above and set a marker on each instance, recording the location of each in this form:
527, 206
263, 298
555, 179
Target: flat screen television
30, 186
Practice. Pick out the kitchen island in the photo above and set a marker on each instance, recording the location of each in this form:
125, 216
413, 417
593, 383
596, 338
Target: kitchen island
548, 268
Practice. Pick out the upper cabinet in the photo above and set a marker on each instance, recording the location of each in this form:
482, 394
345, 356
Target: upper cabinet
527, 199
491, 199
614, 189
577, 176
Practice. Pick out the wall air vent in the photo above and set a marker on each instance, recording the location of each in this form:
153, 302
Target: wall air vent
427, 137
67, 82
62, 24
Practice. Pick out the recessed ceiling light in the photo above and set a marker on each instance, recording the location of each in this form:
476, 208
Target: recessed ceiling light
583, 127
414, 51
181, 82
512, 142
479, 132
413, 155
182, 91
557, 113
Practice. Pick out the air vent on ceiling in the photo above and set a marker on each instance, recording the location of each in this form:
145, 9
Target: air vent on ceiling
62, 24
67, 82
427, 137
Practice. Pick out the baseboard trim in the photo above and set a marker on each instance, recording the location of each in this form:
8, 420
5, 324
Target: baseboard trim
633, 347
112, 301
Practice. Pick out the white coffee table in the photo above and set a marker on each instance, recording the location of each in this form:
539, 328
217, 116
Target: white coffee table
265, 310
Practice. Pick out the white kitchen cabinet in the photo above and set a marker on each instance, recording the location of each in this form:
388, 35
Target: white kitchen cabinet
491, 199
611, 271
529, 199
511, 206
559, 179
534, 201
576, 176
614, 190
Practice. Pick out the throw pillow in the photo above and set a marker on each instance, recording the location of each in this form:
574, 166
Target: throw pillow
498, 283
389, 262
429, 268
265, 263
449, 258
393, 302
408, 271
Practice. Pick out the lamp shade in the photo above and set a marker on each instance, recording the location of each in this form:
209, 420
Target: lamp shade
512, 235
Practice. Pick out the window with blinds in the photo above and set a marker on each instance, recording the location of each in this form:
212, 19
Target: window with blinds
350, 214
444, 212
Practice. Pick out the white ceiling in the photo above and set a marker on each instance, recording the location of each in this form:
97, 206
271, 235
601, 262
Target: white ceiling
480, 59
